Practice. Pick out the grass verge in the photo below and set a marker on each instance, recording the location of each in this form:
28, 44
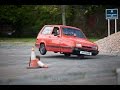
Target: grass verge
18, 40
28, 40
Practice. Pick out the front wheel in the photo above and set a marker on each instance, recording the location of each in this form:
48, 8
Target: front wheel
42, 49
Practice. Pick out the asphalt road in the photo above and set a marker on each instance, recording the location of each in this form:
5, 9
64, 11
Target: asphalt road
93, 70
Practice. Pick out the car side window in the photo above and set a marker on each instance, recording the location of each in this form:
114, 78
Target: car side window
55, 31
47, 30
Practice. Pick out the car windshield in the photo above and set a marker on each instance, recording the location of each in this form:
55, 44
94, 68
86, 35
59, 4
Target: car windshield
73, 32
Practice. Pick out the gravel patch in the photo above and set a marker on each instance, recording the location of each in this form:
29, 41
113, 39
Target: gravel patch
110, 45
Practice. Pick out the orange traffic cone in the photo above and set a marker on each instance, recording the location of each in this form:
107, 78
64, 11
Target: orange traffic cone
33, 61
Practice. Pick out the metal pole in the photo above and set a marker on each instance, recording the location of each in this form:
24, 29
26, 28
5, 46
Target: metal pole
108, 27
115, 25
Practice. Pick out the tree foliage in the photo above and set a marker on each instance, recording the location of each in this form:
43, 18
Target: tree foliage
31, 18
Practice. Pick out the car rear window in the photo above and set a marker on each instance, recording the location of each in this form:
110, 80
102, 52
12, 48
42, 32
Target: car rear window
72, 32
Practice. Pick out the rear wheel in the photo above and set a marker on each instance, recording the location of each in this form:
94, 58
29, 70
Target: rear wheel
67, 54
42, 49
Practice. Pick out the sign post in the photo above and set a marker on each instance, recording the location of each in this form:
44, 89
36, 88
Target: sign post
110, 15
115, 25
108, 27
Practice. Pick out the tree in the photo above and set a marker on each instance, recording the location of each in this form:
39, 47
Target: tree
31, 18
63, 14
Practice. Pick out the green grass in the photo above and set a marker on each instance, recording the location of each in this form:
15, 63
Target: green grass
94, 39
25, 40
29, 40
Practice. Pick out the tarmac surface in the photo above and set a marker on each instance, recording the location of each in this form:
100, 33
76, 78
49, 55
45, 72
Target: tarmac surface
93, 70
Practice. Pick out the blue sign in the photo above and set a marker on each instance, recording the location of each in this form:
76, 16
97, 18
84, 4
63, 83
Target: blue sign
111, 13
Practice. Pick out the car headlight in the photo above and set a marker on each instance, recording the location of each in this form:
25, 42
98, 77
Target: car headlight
78, 45
95, 47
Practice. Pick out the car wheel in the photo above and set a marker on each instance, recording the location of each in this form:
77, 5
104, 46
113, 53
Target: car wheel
81, 56
67, 54
42, 49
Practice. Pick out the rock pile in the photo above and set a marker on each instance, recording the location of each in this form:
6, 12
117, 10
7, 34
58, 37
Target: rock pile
110, 45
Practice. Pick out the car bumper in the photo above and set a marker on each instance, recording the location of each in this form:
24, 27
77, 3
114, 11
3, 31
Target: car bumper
76, 51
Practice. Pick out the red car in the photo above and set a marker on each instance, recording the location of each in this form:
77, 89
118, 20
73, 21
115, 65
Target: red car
65, 39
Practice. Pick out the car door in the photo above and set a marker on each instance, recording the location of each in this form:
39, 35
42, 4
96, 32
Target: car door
54, 40
44, 36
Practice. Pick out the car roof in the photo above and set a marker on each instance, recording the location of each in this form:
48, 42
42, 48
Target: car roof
64, 26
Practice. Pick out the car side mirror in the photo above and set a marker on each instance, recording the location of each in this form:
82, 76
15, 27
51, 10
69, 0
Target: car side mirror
58, 35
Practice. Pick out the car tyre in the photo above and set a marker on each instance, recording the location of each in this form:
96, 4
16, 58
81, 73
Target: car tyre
42, 49
67, 54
